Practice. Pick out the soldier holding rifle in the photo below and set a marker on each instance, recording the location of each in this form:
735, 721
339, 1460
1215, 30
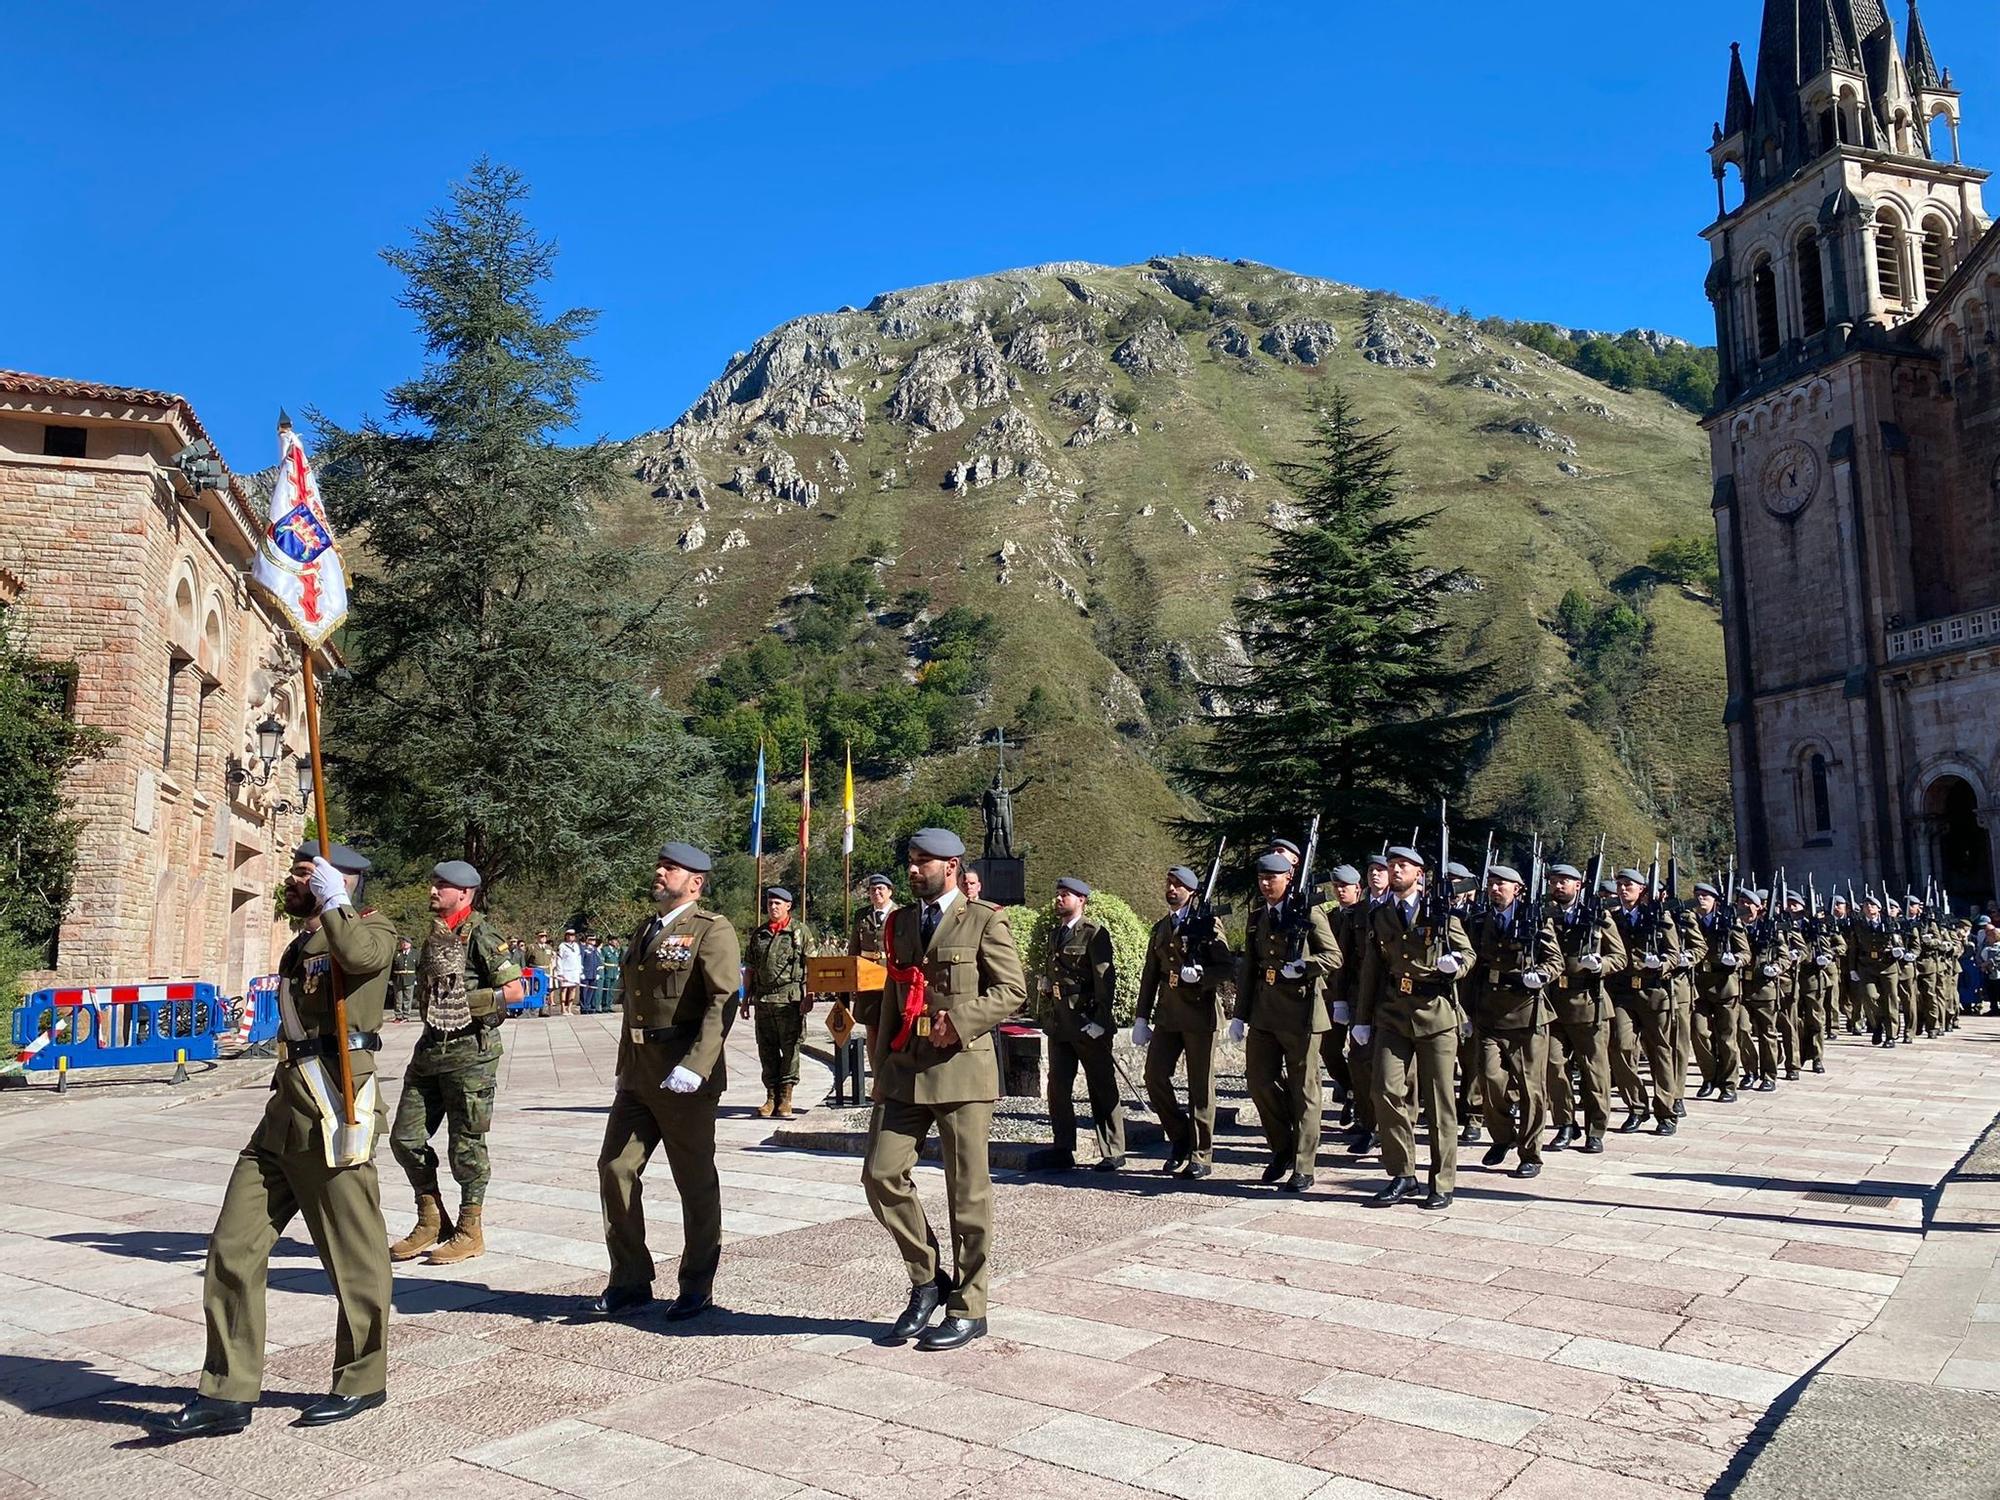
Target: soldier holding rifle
1180, 1008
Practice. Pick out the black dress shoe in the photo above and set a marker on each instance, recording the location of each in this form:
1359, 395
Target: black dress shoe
1194, 1171
1747, 1081
1494, 1154
1436, 1201
1107, 1164
1727, 1096
1528, 1169
1468, 1134
924, 1302
1791, 1075
1174, 1163
1632, 1122
330, 1409
1818, 1066
1563, 1139
689, 1305
1665, 1127
1274, 1171
1768, 1086
1399, 1190
1362, 1144
1680, 1109
1298, 1182
205, 1416
1593, 1145
617, 1301
955, 1332
1706, 1091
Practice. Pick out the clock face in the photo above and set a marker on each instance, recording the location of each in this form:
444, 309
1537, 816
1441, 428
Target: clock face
1791, 475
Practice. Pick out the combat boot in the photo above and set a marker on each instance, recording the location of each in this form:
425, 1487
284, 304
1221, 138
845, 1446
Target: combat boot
431, 1226
770, 1105
464, 1245
785, 1102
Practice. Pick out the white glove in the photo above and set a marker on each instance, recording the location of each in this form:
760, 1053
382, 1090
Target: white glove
1142, 1032
1855, 975
1447, 963
329, 885
1092, 1030
681, 1081
1590, 963
1190, 973
1342, 1013
1650, 961
1824, 960
1532, 980
1296, 969
1729, 960
1684, 960
1361, 1035
1237, 1031
1770, 971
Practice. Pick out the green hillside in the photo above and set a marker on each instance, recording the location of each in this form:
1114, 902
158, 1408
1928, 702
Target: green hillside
1086, 454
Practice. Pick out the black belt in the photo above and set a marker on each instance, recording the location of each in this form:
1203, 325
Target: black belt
662, 1036
295, 1053
473, 1028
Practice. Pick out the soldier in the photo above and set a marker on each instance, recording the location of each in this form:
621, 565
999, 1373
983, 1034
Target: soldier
1593, 953
1928, 968
869, 939
1180, 1007
1644, 1008
1804, 1036
1465, 894
1346, 881
1852, 1007
1905, 972
1724, 956
403, 978
1770, 964
1872, 970
1350, 928
954, 975
970, 883
1079, 982
681, 973
542, 955
774, 982
468, 985
1409, 970
610, 967
1280, 1009
1515, 957
303, 1160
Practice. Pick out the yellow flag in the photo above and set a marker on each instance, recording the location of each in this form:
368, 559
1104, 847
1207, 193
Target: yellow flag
847, 806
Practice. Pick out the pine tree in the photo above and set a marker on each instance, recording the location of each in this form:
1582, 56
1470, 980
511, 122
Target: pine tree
1349, 701
505, 653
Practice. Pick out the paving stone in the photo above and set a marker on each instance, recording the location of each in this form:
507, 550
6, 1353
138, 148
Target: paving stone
1426, 1406
1093, 1445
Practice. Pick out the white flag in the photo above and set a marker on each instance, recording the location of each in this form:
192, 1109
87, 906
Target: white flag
297, 564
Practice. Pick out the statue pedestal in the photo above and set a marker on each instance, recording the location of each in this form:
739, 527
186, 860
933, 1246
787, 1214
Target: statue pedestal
1003, 880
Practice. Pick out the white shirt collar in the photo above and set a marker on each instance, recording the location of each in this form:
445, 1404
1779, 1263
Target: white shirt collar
943, 903
667, 919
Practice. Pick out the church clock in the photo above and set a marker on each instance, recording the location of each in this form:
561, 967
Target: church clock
1791, 476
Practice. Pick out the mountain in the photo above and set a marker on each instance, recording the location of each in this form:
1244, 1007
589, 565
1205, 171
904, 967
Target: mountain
1088, 454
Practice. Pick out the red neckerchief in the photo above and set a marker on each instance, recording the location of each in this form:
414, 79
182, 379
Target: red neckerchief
776, 927
454, 923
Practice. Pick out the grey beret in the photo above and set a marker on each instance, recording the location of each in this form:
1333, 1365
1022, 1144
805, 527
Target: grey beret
347, 861
1273, 864
1703, 885
1565, 872
1346, 875
1457, 871
1505, 872
776, 893
457, 872
882, 880
1182, 875
1405, 852
1750, 893
1378, 861
1628, 873
938, 843
1286, 846
1074, 886
687, 857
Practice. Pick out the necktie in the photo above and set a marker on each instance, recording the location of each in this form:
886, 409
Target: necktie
930, 921
652, 931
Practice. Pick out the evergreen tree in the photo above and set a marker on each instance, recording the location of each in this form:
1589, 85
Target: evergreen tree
1348, 702
505, 653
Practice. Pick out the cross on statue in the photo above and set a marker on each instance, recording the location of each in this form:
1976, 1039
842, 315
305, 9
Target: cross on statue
998, 803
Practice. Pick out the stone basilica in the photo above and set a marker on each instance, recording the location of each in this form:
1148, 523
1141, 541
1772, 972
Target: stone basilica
1856, 451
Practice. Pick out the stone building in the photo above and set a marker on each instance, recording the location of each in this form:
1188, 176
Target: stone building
1856, 452
129, 546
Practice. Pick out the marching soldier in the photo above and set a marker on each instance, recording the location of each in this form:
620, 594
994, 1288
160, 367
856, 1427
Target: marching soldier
468, 983
774, 976
1644, 1011
681, 973
1514, 959
1805, 1038
1464, 894
1593, 953
1351, 928
1905, 972
1770, 964
1346, 882
303, 1160
1080, 983
1409, 967
1280, 1010
1872, 970
1852, 1007
954, 975
403, 978
1724, 957
1180, 1008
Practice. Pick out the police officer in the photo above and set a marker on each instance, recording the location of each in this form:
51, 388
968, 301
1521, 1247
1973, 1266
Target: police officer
1514, 959
681, 971
303, 1160
1079, 985
774, 977
1180, 1008
468, 983
954, 975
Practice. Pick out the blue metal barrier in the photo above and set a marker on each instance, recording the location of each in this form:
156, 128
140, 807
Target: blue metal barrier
117, 1025
536, 1000
260, 1011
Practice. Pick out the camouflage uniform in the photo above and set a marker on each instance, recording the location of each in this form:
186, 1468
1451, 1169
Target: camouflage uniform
774, 973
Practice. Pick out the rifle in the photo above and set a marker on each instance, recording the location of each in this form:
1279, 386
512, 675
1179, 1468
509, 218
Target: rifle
1593, 898
1299, 910
1653, 911
1437, 916
1480, 905
1530, 922
1200, 930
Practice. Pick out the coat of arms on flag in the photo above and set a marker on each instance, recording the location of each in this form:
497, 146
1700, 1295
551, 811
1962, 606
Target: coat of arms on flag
298, 567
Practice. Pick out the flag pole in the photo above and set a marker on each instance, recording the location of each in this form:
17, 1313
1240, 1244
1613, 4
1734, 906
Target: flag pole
339, 983
805, 821
847, 846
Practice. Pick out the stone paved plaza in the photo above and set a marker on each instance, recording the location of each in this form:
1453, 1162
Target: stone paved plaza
1616, 1329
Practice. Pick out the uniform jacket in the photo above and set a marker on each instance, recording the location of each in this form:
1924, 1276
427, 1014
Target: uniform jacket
867, 940
1715, 982
1079, 979
1265, 998
679, 977
972, 970
363, 944
1579, 996
1647, 930
1400, 986
1166, 1002
1505, 953
1868, 959
1771, 949
775, 965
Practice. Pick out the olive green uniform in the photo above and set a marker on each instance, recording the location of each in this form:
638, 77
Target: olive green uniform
1718, 1003
1184, 1018
1581, 1030
283, 1172
1510, 1017
1285, 1017
774, 973
1350, 928
1643, 1010
680, 974
403, 981
1763, 994
455, 1069
1872, 970
1079, 985
1412, 1006
971, 971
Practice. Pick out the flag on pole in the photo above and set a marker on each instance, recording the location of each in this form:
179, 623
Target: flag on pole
757, 811
297, 565
805, 805
847, 807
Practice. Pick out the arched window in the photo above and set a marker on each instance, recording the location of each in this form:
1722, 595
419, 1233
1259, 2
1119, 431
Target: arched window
1889, 259
1829, 129
1937, 256
1812, 285
1821, 795
1764, 306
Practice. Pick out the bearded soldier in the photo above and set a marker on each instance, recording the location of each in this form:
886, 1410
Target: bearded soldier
468, 982
1179, 1009
1514, 959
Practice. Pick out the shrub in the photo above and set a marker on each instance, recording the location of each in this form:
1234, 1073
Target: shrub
1129, 932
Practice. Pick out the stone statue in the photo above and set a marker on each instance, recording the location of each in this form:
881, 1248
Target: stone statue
998, 805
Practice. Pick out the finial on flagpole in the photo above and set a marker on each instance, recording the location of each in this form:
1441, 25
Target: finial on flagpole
284, 420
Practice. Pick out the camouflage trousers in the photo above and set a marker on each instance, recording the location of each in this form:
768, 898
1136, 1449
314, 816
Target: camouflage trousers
449, 1083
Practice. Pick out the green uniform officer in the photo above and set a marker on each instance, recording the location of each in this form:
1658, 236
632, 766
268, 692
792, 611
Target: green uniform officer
468, 982
1079, 985
403, 978
1515, 957
1351, 925
305, 1160
774, 985
1180, 1008
1872, 969
954, 975
681, 974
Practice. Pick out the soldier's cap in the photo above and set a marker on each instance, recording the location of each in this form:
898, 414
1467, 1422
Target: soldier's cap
777, 893
1182, 876
347, 861
1794, 896
1458, 871
1703, 885
1273, 864
1874, 901
1507, 873
938, 843
1378, 861
1286, 846
1607, 885
1074, 886
882, 880
1750, 894
1405, 852
1346, 875
1565, 872
687, 857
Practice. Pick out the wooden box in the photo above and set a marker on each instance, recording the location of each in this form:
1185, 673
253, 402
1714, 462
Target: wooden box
844, 976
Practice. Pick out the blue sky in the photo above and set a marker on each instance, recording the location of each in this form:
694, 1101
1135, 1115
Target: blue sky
202, 188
